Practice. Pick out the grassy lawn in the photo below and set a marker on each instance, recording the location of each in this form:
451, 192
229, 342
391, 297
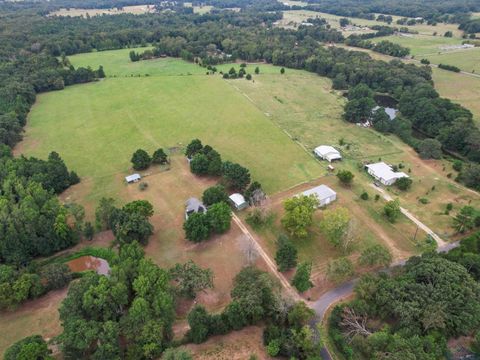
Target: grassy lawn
422, 45
39, 316
306, 108
136, 10
297, 16
460, 88
467, 60
103, 123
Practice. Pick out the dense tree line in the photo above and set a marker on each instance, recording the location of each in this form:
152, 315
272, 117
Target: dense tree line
34, 223
436, 10
411, 313
384, 47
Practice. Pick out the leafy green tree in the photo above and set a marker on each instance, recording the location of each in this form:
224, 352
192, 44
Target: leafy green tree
381, 121
159, 157
475, 346
103, 213
214, 194
286, 255
141, 207
345, 177
359, 110
301, 280
404, 183
273, 347
197, 227
199, 321
340, 269
55, 276
236, 176
141, 160
430, 149
257, 70
193, 148
199, 164
29, 348
132, 226
219, 216
465, 219
282, 71
300, 315
392, 210
88, 231
176, 354
334, 225
376, 255
299, 215
190, 278
100, 72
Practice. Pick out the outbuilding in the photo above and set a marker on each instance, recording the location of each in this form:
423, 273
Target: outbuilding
193, 205
238, 201
384, 173
328, 153
323, 193
130, 179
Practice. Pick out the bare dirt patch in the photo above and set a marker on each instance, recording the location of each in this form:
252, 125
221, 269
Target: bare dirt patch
238, 345
39, 316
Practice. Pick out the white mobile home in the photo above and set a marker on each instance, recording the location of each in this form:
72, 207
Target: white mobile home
323, 193
132, 178
384, 173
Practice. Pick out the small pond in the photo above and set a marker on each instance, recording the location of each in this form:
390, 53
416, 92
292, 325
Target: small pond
84, 263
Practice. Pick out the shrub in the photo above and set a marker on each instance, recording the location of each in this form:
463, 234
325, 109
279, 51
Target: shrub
248, 77
143, 186
364, 196
301, 280
345, 177
457, 165
404, 183
286, 255
423, 201
56, 275
31, 347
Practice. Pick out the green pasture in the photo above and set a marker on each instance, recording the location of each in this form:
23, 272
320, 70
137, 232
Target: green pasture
422, 45
467, 59
96, 127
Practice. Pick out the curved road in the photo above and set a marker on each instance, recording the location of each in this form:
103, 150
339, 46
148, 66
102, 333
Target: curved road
346, 289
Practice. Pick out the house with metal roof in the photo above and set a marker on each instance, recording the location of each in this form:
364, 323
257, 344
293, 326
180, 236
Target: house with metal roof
327, 152
193, 205
323, 193
384, 173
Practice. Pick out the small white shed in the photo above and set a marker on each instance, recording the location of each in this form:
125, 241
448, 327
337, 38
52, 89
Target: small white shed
328, 153
130, 179
323, 193
238, 201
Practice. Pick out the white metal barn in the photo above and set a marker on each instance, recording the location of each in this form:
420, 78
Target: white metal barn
238, 201
384, 173
327, 152
323, 193
132, 178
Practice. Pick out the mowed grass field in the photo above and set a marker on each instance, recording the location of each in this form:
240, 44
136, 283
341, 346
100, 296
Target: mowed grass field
96, 127
297, 16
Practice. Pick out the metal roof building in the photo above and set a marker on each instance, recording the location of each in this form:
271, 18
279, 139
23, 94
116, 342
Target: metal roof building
384, 173
327, 152
323, 193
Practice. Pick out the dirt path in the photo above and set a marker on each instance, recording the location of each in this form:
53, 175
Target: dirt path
440, 242
271, 265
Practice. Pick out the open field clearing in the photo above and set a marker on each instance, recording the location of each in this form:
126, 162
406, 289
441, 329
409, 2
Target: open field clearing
460, 88
422, 45
467, 60
136, 10
297, 105
104, 123
297, 16
39, 316
237, 345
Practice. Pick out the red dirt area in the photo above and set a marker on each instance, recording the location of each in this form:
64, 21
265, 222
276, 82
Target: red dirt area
39, 316
237, 345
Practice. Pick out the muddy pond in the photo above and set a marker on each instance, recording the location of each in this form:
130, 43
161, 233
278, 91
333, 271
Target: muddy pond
85, 263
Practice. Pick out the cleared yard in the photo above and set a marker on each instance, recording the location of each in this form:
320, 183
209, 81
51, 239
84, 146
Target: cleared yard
75, 12
103, 123
307, 109
422, 45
